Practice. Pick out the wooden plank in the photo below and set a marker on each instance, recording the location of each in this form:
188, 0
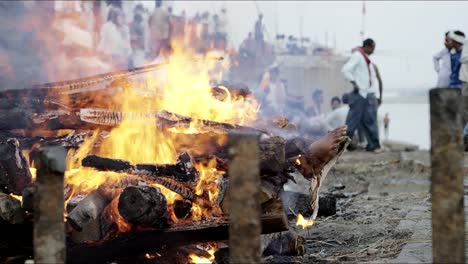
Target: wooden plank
49, 225
243, 194
448, 223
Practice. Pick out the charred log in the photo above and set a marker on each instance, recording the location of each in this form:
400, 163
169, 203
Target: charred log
182, 208
10, 210
287, 243
183, 170
28, 198
87, 210
272, 155
144, 205
300, 203
14, 169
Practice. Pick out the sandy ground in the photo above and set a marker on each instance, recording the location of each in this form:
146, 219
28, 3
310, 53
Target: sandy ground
380, 190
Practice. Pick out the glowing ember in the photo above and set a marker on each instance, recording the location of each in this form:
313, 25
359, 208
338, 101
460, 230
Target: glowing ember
17, 197
33, 173
152, 256
301, 221
211, 249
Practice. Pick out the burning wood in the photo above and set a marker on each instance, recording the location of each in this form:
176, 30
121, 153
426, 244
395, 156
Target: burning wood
10, 210
144, 205
89, 209
183, 170
14, 169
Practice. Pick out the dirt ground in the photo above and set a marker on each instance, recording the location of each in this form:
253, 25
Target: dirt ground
380, 190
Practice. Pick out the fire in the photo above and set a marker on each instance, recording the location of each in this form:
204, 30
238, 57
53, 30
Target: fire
17, 197
211, 249
152, 256
181, 88
301, 221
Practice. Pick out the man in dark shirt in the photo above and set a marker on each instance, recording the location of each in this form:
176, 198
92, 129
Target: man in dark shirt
457, 38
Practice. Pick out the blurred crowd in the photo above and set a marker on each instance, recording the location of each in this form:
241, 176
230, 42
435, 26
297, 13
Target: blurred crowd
149, 34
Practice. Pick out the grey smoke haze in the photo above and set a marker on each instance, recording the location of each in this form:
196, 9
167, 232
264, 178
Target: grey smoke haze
407, 33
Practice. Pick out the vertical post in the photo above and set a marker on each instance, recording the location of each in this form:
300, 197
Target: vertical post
243, 194
448, 222
49, 225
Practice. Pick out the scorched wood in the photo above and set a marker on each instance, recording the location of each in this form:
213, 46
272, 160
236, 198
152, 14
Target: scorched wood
151, 240
89, 209
144, 206
14, 169
183, 170
10, 210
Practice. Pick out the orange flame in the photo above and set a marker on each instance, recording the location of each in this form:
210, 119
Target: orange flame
304, 223
181, 88
210, 249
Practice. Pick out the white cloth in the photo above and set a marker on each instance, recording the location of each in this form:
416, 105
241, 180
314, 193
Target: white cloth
337, 117
464, 63
356, 69
443, 67
114, 41
160, 24
455, 37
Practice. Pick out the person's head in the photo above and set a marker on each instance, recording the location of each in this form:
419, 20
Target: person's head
274, 73
317, 96
448, 42
335, 103
457, 37
169, 10
113, 16
368, 46
260, 16
223, 10
158, 3
249, 35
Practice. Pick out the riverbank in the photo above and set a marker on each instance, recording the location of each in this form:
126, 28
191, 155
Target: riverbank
384, 216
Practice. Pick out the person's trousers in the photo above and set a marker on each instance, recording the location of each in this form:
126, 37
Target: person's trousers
363, 112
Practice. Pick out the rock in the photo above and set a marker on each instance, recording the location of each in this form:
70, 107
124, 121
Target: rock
372, 251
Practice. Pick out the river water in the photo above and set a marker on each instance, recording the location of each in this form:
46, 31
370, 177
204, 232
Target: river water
409, 122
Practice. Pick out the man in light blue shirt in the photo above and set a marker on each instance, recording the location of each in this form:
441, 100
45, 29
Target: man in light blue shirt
362, 101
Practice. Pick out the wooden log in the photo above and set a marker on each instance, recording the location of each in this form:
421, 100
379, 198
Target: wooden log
88, 210
448, 218
272, 155
243, 190
144, 206
10, 210
287, 243
49, 227
28, 198
300, 203
183, 170
140, 242
14, 169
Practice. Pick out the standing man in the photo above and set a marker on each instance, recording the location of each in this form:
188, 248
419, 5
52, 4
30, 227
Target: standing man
159, 26
457, 38
362, 100
442, 63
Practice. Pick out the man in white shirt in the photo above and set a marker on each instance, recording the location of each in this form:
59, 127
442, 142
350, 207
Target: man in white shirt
362, 101
442, 64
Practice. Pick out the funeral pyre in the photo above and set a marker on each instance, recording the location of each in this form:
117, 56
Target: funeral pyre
147, 152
